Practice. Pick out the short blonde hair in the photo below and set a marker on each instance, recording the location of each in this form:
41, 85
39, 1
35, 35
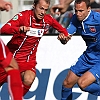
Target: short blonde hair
37, 1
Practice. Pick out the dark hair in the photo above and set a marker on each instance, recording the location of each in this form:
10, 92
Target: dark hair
37, 1
86, 1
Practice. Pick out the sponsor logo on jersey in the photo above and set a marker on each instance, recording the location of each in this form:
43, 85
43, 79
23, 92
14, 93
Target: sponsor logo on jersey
15, 17
92, 29
40, 31
35, 32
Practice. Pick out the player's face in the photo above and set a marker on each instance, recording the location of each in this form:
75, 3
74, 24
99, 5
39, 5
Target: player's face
81, 11
41, 9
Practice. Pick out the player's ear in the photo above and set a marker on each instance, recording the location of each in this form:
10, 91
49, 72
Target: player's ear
33, 6
89, 8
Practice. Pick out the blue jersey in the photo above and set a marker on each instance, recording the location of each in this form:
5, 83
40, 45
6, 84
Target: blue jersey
89, 29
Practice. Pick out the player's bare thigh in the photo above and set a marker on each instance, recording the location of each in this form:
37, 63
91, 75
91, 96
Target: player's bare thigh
86, 79
70, 80
28, 77
13, 65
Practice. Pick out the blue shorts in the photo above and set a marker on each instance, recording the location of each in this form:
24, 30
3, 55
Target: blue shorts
82, 65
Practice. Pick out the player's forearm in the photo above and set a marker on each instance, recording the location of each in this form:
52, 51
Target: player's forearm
59, 27
7, 29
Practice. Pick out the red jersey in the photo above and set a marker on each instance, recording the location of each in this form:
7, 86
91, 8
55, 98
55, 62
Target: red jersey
5, 55
23, 45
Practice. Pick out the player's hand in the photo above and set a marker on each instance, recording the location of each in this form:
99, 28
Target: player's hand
24, 29
64, 39
4, 5
61, 9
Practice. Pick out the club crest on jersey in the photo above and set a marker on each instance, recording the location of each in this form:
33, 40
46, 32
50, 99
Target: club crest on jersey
92, 29
15, 17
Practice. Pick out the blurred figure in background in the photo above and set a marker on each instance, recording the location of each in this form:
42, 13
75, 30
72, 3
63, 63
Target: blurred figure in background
62, 7
94, 4
4, 5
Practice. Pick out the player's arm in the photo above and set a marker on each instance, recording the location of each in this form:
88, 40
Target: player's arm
12, 26
24, 29
9, 28
64, 39
62, 7
15, 25
71, 30
56, 25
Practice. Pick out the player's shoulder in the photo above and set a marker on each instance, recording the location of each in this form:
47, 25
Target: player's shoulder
21, 14
96, 15
48, 16
74, 19
25, 12
48, 19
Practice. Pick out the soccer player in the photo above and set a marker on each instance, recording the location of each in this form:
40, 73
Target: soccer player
86, 71
9, 70
27, 28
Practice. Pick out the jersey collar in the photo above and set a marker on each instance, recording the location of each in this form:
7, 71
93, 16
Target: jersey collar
87, 16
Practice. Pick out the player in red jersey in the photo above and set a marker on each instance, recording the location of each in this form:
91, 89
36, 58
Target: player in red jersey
27, 28
9, 73
9, 70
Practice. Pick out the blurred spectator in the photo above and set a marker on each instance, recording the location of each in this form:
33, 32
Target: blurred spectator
94, 4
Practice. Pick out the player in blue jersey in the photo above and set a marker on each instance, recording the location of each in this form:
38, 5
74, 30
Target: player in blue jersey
86, 71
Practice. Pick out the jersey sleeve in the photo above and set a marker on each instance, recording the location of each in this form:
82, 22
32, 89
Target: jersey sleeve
72, 26
12, 26
57, 26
